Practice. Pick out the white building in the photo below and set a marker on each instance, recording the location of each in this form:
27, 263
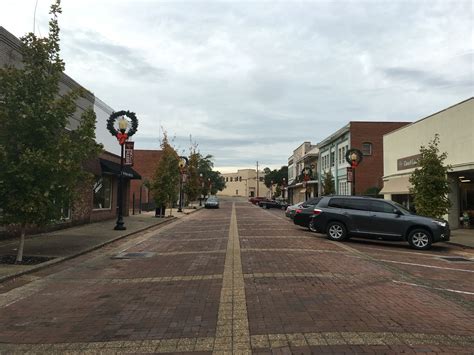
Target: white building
455, 127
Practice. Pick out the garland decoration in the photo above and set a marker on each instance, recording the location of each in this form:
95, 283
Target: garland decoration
122, 136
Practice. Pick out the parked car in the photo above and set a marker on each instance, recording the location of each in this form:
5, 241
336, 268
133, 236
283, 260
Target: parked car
212, 202
256, 200
290, 210
302, 214
343, 216
280, 204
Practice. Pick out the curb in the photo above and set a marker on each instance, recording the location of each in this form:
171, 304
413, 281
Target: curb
88, 250
460, 245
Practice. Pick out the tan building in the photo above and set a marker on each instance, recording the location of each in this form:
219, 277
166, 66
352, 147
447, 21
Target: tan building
244, 183
304, 157
455, 126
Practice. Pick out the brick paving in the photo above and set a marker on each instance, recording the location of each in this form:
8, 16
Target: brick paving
239, 280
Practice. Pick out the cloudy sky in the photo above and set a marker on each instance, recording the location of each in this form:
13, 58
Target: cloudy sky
251, 80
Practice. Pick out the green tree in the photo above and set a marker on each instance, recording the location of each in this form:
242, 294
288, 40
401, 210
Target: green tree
212, 181
192, 187
328, 184
430, 185
276, 176
165, 184
41, 161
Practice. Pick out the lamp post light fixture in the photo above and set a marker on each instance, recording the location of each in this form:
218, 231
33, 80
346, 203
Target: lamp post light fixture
122, 136
182, 164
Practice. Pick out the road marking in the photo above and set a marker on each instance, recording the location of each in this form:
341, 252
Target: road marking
434, 288
295, 250
428, 266
264, 341
232, 332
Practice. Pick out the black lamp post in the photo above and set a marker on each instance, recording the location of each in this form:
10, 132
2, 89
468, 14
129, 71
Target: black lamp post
122, 136
283, 184
210, 185
202, 188
183, 162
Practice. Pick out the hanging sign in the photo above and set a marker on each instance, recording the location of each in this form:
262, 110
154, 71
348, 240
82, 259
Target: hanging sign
350, 176
128, 153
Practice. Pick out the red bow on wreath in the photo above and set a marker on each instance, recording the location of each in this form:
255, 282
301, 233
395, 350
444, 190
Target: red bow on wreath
122, 137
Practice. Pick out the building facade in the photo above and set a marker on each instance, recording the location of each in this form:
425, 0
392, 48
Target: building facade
455, 127
245, 183
301, 188
145, 163
368, 138
96, 201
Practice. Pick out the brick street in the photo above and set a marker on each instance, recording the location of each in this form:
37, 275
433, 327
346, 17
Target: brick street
241, 279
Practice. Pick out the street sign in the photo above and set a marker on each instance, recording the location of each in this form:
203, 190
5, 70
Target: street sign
350, 175
128, 156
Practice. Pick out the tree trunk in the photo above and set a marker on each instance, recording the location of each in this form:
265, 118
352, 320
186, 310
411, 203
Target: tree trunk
19, 256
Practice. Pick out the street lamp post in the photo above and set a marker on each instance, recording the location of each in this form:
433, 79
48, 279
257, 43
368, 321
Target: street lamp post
210, 185
271, 189
354, 158
183, 163
122, 136
202, 188
283, 187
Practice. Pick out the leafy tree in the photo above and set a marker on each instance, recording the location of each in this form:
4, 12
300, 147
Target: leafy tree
165, 184
213, 181
41, 161
328, 184
430, 185
192, 188
276, 176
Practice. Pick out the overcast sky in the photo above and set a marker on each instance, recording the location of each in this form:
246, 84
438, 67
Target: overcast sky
252, 80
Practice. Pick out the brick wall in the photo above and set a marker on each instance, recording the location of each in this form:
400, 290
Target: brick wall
369, 173
145, 163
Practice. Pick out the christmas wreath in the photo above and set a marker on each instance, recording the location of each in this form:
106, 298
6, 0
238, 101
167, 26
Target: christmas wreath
122, 136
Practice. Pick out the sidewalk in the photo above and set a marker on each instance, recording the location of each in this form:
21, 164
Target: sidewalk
462, 237
67, 243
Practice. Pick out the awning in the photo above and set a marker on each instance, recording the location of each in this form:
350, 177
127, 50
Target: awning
398, 185
109, 167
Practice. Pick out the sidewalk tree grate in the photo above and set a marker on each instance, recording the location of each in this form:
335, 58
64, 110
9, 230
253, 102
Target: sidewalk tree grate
457, 259
140, 255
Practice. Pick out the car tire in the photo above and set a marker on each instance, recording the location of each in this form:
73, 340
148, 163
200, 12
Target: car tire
420, 239
336, 231
312, 226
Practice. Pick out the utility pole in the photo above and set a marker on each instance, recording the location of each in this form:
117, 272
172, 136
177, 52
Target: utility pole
258, 182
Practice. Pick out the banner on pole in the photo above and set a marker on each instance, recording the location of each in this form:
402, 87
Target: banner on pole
128, 156
350, 176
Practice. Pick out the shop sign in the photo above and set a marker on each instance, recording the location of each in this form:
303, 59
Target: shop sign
350, 176
128, 154
408, 162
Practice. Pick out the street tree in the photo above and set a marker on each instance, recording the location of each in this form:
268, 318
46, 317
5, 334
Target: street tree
277, 176
328, 184
430, 185
165, 183
41, 160
192, 187
212, 181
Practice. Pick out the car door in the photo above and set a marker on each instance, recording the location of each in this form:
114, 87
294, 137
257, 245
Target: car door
357, 210
386, 222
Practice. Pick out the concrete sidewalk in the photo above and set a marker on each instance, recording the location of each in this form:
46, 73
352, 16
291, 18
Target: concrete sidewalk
462, 237
68, 243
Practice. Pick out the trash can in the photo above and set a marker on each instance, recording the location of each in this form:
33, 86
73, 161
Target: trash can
160, 211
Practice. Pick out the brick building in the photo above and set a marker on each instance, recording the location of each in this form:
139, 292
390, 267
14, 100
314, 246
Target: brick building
145, 163
368, 138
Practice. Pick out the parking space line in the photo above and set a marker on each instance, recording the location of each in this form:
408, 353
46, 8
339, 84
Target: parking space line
422, 265
434, 288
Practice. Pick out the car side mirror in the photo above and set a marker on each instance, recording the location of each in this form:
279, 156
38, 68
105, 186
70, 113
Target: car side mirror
397, 212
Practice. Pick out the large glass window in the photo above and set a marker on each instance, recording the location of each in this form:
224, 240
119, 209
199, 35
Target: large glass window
102, 192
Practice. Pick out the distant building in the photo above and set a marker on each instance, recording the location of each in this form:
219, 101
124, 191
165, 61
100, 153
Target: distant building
367, 136
145, 163
244, 183
455, 126
300, 188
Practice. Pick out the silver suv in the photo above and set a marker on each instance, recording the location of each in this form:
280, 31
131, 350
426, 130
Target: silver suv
344, 216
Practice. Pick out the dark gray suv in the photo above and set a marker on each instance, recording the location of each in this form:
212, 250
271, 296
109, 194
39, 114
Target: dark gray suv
344, 216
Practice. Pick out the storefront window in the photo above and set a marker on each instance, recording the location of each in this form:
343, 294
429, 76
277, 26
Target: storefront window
102, 192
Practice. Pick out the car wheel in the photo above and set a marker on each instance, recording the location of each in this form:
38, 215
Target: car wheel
312, 226
419, 239
336, 231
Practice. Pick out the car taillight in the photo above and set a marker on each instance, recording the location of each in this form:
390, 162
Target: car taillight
298, 211
317, 211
